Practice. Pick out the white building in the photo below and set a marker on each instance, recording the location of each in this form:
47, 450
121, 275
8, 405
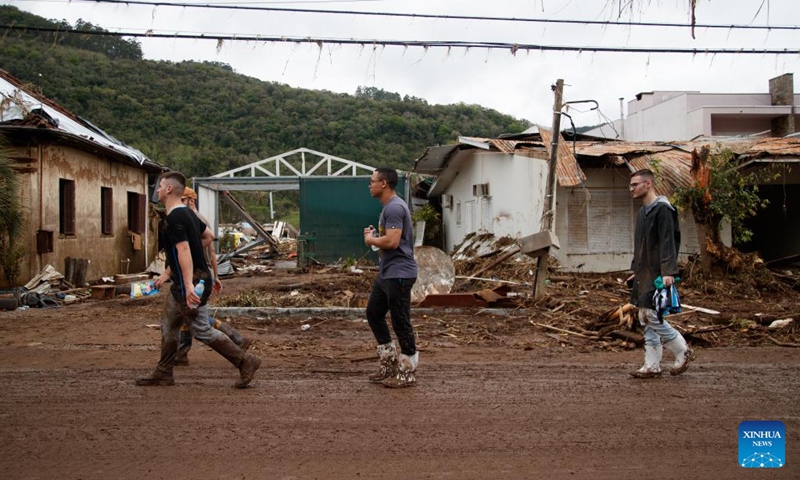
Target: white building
685, 115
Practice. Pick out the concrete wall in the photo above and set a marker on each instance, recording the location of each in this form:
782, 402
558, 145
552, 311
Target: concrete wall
40, 200
662, 121
673, 115
516, 196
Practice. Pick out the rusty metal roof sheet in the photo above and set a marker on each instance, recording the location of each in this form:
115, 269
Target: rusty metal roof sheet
674, 168
568, 172
674, 158
599, 149
788, 146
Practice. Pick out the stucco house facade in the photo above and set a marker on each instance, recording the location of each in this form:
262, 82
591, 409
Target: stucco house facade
83, 193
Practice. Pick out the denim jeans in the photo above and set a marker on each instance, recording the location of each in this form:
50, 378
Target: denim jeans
393, 296
174, 315
655, 332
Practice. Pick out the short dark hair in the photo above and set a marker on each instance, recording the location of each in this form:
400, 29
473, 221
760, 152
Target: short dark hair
646, 173
389, 175
176, 178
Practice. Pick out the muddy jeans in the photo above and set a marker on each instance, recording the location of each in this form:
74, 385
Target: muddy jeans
174, 315
392, 295
655, 332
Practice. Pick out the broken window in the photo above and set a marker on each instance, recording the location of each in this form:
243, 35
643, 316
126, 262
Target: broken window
107, 211
137, 212
66, 206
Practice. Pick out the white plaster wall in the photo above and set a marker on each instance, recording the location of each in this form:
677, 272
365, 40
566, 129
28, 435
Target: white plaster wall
515, 205
698, 122
668, 115
663, 121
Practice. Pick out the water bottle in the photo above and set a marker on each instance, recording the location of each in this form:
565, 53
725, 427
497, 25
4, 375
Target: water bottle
199, 289
374, 234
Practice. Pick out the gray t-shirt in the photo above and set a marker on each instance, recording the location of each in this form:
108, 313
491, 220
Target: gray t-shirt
398, 263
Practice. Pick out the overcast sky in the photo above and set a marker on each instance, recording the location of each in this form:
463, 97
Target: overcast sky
517, 85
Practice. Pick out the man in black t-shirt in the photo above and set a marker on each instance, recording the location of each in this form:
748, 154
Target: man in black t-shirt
184, 238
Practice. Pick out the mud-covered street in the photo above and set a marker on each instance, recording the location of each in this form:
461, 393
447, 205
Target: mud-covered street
517, 405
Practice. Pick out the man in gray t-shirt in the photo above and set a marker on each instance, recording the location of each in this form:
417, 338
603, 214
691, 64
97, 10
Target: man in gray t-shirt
391, 292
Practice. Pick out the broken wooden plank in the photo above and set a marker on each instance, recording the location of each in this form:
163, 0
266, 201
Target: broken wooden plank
700, 309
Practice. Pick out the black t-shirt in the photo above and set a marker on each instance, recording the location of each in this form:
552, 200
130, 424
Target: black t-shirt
184, 226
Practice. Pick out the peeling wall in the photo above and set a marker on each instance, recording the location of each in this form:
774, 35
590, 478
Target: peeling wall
107, 254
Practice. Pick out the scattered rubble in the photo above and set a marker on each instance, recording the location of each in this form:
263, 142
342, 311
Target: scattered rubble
754, 306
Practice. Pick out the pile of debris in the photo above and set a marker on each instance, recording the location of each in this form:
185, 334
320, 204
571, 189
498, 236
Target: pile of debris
51, 289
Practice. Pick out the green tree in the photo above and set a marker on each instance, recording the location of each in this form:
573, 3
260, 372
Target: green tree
719, 193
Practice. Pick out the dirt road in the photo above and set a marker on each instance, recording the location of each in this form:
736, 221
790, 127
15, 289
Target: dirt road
70, 409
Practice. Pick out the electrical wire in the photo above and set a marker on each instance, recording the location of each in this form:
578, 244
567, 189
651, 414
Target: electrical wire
604, 23
514, 48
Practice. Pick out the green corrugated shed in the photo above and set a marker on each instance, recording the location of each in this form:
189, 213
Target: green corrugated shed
335, 210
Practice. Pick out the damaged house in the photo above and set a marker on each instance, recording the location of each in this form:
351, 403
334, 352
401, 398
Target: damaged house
84, 194
498, 186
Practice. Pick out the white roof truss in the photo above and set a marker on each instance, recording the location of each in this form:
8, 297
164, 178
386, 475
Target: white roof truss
302, 162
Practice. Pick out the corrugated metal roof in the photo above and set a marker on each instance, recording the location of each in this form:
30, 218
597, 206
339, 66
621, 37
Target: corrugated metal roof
434, 160
598, 149
568, 172
773, 147
502, 145
17, 104
674, 158
674, 168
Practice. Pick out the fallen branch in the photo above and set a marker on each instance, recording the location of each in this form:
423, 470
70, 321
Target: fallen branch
569, 332
463, 277
497, 261
783, 344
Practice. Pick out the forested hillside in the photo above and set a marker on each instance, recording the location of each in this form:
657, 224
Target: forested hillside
203, 118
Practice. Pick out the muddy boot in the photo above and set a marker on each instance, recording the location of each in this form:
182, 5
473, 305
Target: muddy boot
182, 357
683, 355
156, 379
652, 363
240, 340
387, 353
246, 363
405, 376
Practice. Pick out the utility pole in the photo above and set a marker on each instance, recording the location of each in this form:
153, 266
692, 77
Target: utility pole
550, 204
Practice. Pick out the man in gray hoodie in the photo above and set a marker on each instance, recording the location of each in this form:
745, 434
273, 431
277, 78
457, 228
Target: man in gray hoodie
655, 254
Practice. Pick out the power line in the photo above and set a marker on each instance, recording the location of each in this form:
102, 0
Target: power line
514, 48
446, 17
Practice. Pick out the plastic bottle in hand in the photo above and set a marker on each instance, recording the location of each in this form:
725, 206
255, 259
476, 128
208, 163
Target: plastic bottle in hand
374, 234
198, 290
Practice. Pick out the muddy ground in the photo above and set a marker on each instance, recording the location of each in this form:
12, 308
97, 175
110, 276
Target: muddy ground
498, 397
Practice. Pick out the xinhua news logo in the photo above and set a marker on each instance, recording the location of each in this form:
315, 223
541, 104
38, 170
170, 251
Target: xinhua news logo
762, 444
